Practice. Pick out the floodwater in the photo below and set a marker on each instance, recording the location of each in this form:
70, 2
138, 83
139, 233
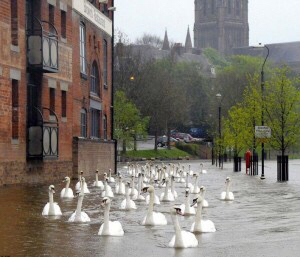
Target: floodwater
264, 220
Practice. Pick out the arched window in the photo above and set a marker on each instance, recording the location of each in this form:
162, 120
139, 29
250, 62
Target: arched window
82, 45
105, 126
204, 7
213, 7
229, 6
238, 7
83, 123
94, 81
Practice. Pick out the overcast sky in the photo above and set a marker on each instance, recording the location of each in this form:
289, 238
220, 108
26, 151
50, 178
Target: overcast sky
270, 21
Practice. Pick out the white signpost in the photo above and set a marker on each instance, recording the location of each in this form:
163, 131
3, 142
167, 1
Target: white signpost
262, 132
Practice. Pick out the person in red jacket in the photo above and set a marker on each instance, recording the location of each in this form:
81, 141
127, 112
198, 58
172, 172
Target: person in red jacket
248, 156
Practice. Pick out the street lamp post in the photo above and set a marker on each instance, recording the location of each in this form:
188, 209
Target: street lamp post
262, 112
220, 132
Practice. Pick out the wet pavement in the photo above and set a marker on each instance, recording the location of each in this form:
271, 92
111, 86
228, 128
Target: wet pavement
264, 220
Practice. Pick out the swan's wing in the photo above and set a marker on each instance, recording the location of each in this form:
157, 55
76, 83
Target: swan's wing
231, 196
204, 171
57, 209
182, 207
100, 230
204, 203
85, 217
115, 228
159, 219
162, 196
193, 227
208, 226
77, 187
123, 204
72, 218
148, 199
132, 204
189, 239
156, 199
62, 193
172, 242
223, 194
141, 198
69, 193
46, 209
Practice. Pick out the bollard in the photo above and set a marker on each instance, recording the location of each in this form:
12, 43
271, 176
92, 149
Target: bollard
282, 168
253, 165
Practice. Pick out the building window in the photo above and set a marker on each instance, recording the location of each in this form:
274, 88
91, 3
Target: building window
213, 7
105, 63
63, 24
105, 10
204, 7
14, 22
82, 48
63, 104
238, 7
51, 18
94, 81
105, 127
229, 7
83, 123
52, 99
15, 109
95, 114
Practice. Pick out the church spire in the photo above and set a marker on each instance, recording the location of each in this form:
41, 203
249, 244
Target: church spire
188, 42
166, 45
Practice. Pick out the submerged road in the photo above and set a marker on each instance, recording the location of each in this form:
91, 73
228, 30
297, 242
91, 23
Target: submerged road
263, 220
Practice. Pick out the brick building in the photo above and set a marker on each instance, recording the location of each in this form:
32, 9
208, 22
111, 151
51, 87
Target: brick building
55, 89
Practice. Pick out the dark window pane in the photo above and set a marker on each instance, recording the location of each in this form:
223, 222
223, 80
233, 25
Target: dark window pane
63, 103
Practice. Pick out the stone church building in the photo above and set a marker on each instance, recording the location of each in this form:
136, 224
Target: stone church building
221, 24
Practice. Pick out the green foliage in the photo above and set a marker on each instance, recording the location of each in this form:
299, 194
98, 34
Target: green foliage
282, 106
215, 58
127, 119
192, 149
162, 153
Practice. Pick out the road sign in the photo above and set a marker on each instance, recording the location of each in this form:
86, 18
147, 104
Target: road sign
262, 132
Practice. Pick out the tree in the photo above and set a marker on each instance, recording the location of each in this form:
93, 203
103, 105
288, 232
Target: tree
150, 39
128, 121
282, 105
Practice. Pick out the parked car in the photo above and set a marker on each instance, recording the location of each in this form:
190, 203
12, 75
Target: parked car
198, 132
163, 141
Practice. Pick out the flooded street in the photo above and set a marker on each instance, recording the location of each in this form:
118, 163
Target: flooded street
263, 220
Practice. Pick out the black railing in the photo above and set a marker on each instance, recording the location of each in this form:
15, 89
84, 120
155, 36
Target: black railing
43, 134
42, 46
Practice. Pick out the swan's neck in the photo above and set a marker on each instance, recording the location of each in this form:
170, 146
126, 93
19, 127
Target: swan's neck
172, 186
198, 214
187, 180
96, 178
227, 190
187, 204
167, 189
196, 181
110, 174
105, 187
127, 194
106, 218
139, 185
151, 203
51, 203
79, 206
178, 236
67, 185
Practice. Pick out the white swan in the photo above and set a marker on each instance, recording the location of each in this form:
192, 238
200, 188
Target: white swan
140, 186
227, 195
120, 186
133, 191
67, 192
127, 203
186, 208
156, 198
173, 187
109, 228
107, 190
153, 218
200, 225
181, 239
167, 196
98, 183
202, 194
84, 184
79, 215
188, 184
196, 189
51, 208
202, 171
110, 178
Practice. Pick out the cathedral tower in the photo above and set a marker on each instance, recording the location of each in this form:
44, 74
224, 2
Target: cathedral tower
221, 24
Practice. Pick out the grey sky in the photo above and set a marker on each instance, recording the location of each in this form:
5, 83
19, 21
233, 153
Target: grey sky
271, 21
